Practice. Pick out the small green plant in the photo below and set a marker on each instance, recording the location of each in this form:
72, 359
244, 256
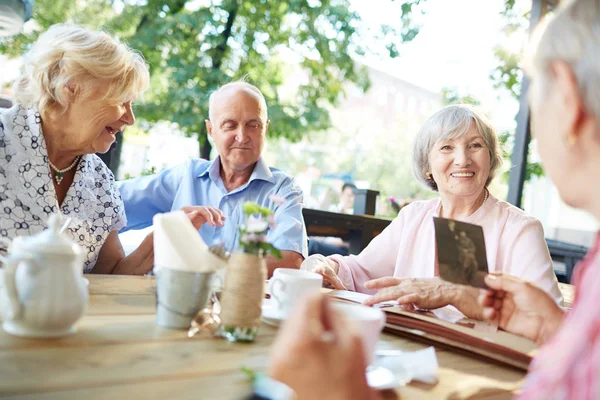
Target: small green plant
253, 233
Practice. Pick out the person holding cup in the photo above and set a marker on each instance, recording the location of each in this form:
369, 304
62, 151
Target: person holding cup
565, 113
319, 353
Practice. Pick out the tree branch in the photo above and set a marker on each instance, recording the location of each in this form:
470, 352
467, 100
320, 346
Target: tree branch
222, 47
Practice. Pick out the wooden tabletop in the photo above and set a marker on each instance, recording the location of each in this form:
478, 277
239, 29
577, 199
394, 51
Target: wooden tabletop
119, 352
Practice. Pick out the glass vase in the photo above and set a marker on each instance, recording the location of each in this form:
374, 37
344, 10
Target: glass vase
242, 296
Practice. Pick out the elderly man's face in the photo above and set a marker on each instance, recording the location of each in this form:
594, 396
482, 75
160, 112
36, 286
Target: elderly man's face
461, 166
238, 126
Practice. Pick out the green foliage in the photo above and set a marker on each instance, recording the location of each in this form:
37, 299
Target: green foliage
251, 374
192, 49
149, 171
451, 96
508, 75
506, 144
92, 13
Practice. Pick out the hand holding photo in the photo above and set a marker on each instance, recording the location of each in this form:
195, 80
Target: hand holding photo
460, 252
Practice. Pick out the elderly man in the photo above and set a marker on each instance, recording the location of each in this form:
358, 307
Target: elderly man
238, 125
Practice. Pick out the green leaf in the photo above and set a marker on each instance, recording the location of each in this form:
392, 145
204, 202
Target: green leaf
250, 373
251, 207
269, 248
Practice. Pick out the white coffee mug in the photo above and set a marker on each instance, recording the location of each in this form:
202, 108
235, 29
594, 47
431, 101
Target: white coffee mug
288, 285
370, 322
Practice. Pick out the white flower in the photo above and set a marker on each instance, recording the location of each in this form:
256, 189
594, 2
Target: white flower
256, 225
277, 199
253, 238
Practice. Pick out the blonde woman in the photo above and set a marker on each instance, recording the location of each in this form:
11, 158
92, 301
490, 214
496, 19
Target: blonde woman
75, 94
456, 154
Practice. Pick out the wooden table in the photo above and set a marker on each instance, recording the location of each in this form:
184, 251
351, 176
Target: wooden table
118, 352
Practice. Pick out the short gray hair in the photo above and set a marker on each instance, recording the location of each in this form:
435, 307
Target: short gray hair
571, 35
448, 123
240, 85
67, 54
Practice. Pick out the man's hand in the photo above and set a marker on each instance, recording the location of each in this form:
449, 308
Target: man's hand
200, 215
520, 307
320, 355
323, 266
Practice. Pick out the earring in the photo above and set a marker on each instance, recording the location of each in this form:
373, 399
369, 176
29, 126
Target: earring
571, 140
428, 175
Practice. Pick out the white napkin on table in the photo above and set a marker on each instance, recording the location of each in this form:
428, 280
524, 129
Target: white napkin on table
178, 245
421, 365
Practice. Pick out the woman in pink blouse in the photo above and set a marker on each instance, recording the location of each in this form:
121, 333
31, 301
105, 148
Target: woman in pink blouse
565, 111
456, 153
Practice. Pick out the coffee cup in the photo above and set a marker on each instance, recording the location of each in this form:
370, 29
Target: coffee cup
368, 320
288, 286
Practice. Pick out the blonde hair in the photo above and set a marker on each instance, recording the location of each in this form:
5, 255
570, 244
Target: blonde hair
448, 123
73, 55
571, 35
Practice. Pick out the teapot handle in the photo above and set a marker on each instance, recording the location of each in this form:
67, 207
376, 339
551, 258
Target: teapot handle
12, 263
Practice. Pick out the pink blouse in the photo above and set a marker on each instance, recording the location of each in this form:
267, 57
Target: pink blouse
568, 365
514, 243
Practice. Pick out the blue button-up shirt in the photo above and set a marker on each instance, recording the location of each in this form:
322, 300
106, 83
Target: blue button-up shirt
198, 182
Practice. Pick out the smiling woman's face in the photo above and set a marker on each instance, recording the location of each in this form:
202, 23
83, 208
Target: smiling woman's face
460, 166
92, 123
238, 127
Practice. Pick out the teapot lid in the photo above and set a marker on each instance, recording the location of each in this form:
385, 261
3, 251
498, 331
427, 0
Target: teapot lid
51, 240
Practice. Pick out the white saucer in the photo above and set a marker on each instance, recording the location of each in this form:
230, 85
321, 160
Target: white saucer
382, 378
270, 314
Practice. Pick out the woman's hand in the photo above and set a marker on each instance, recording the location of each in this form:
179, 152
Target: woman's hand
323, 266
319, 354
200, 215
427, 293
520, 307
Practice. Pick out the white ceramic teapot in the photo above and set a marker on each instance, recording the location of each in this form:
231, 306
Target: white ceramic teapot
44, 292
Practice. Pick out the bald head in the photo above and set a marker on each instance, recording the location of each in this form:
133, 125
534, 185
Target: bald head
226, 93
238, 125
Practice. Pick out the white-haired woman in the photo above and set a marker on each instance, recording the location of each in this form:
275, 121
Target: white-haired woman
456, 153
565, 111
75, 94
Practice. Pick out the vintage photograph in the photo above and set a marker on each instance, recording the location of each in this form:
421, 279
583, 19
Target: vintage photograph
460, 252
